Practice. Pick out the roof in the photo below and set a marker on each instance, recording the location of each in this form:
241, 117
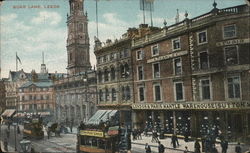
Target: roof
37, 84
8, 112
101, 115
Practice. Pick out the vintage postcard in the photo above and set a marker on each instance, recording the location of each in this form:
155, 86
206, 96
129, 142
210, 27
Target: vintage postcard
109, 76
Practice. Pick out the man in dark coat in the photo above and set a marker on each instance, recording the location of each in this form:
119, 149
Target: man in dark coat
147, 148
238, 148
224, 146
197, 147
161, 147
173, 141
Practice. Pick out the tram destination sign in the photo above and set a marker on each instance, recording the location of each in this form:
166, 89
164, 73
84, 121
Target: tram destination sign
195, 105
92, 133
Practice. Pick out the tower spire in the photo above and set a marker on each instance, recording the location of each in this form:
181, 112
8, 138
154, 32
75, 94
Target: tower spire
177, 16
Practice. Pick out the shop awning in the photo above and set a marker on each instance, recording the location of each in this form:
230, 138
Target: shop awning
101, 115
8, 112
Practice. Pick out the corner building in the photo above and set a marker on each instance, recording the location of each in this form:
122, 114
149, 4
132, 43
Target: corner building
193, 77
115, 75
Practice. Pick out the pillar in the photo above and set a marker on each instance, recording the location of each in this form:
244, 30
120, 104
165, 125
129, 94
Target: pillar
174, 121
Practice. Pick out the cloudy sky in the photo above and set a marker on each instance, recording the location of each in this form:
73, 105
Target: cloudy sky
31, 31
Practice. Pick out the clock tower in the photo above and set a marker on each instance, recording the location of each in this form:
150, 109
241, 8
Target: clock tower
78, 39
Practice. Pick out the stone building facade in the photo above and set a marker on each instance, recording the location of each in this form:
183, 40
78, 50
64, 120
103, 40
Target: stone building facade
75, 98
76, 94
114, 73
2, 96
193, 77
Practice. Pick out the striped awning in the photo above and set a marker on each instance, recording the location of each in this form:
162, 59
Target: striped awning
101, 115
8, 112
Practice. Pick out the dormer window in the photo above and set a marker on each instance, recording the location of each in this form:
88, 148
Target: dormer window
229, 31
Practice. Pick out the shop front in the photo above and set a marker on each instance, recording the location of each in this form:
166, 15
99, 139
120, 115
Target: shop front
196, 119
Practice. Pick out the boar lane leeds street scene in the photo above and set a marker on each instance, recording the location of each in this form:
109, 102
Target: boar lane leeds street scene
125, 76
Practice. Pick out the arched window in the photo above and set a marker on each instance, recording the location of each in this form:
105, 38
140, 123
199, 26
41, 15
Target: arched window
127, 93
123, 93
100, 76
112, 73
81, 27
106, 94
113, 94
126, 70
122, 69
100, 95
106, 75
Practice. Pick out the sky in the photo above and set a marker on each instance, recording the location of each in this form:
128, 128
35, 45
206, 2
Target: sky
31, 31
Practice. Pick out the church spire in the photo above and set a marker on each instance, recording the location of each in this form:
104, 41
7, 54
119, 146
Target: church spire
43, 66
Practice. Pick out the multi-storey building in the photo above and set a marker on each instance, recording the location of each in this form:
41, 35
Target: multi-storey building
75, 95
193, 77
37, 97
75, 98
114, 73
2, 96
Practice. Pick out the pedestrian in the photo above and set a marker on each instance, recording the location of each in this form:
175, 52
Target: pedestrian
71, 127
18, 130
238, 148
186, 149
173, 141
146, 131
48, 133
32, 150
147, 148
186, 136
176, 138
203, 144
8, 133
5, 143
224, 146
197, 146
161, 148
214, 150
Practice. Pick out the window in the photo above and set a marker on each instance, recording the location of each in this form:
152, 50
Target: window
106, 75
177, 66
47, 97
176, 44
112, 73
203, 60
106, 94
30, 97
139, 55
125, 51
34, 97
157, 92
99, 60
229, 31
127, 93
140, 73
70, 56
154, 50
141, 94
233, 87
205, 89
113, 94
231, 55
100, 95
179, 91
100, 76
124, 70
41, 97
111, 56
23, 98
105, 58
202, 37
156, 70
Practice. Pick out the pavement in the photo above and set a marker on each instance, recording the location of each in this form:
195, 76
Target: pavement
140, 145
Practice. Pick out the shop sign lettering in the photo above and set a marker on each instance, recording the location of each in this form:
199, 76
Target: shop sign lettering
172, 55
92, 133
233, 42
216, 105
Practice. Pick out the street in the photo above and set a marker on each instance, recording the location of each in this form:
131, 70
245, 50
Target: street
67, 143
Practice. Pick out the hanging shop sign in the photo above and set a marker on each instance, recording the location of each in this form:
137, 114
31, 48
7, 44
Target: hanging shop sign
195, 105
92, 133
233, 42
168, 56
